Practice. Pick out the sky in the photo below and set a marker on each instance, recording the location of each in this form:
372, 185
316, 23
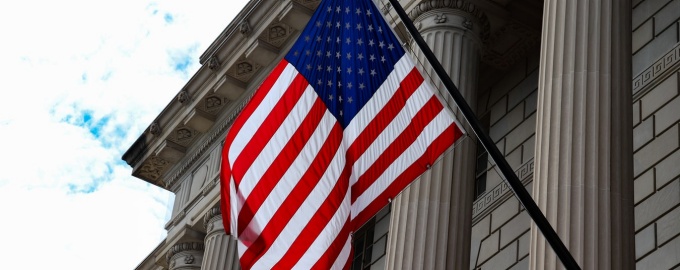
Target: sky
80, 81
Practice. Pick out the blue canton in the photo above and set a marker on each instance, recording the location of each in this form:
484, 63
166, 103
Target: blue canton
346, 53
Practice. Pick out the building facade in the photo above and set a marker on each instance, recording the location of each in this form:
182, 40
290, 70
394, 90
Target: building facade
581, 97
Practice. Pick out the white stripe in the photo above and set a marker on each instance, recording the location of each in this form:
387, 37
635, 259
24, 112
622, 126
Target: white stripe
327, 235
290, 178
261, 112
391, 132
344, 254
278, 141
306, 211
383, 95
414, 152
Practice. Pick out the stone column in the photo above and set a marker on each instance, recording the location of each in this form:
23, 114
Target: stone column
220, 248
185, 256
583, 167
431, 220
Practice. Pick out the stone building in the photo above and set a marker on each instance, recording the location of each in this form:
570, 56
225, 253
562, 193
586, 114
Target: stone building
581, 96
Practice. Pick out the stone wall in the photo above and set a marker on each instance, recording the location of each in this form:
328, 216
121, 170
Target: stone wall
500, 232
656, 116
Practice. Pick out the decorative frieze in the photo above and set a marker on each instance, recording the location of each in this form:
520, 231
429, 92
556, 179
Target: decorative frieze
464, 6
656, 73
492, 198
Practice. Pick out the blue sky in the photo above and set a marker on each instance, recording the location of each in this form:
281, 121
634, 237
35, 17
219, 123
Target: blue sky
80, 81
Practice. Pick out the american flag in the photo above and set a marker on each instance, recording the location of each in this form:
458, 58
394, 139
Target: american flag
341, 125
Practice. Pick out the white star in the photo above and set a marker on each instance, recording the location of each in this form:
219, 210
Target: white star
337, 40
318, 38
330, 83
308, 53
370, 27
318, 53
337, 25
390, 46
309, 67
337, 55
329, 69
307, 38
380, 29
347, 10
340, 112
328, 53
349, 85
319, 82
361, 86
360, 42
330, 97
382, 59
372, 57
349, 56
348, 41
340, 85
329, 24
381, 44
359, 27
339, 70
368, 12
349, 70
329, 9
370, 42
361, 71
350, 100
337, 9
318, 24
373, 73
340, 98
358, 11
347, 25
360, 56
319, 68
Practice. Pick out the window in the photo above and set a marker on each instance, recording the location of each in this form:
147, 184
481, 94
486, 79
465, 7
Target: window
370, 242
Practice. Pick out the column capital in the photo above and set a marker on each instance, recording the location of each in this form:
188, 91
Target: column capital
213, 213
188, 255
454, 13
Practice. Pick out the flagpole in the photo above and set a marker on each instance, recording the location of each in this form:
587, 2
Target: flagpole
507, 171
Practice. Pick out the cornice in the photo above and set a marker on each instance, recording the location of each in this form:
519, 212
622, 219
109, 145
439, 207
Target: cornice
191, 246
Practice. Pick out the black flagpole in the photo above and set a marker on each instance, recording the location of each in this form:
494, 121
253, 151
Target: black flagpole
510, 176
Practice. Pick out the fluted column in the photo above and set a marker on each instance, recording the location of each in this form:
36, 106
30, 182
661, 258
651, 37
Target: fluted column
431, 220
583, 167
220, 248
185, 256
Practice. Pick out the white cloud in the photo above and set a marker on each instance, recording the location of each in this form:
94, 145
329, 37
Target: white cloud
81, 80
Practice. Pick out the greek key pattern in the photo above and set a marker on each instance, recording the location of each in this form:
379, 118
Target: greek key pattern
657, 71
491, 198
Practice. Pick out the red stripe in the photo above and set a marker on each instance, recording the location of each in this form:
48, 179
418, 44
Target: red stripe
295, 199
283, 161
255, 101
328, 258
436, 148
268, 128
406, 88
424, 116
317, 223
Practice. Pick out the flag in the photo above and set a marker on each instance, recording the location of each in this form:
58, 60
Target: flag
339, 127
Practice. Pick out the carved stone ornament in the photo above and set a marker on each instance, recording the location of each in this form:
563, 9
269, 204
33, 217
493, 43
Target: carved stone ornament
155, 129
214, 63
153, 168
189, 259
468, 24
441, 18
176, 249
183, 96
172, 264
213, 213
244, 28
